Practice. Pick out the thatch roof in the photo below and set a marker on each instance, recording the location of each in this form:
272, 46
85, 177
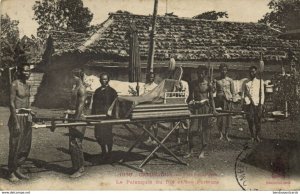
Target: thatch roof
66, 42
185, 39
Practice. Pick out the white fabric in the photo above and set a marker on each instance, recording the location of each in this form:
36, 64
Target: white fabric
92, 82
252, 87
148, 87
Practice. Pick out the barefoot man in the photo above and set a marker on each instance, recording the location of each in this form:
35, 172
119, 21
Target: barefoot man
224, 99
77, 133
19, 124
201, 99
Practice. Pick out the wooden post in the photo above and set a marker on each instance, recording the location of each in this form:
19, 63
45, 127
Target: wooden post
152, 42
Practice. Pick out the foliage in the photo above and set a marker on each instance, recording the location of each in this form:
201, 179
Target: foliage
290, 94
79, 17
9, 38
61, 15
211, 15
285, 14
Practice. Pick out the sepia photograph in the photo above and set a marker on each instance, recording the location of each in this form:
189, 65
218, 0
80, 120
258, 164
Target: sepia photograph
186, 95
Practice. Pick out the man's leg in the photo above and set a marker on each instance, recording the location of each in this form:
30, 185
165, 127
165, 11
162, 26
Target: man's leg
12, 157
147, 126
76, 137
220, 125
257, 122
227, 125
155, 132
228, 119
98, 134
108, 135
204, 136
191, 129
250, 120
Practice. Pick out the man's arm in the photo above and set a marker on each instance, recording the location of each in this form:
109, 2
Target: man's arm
232, 90
13, 93
262, 91
191, 93
95, 102
210, 92
81, 95
247, 93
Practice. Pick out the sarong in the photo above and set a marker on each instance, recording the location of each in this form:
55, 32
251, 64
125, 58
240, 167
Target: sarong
19, 141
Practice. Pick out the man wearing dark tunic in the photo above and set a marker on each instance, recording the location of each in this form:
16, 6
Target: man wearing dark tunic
77, 133
201, 100
224, 99
19, 124
102, 100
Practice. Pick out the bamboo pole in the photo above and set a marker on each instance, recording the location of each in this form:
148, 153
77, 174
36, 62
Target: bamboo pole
152, 41
128, 121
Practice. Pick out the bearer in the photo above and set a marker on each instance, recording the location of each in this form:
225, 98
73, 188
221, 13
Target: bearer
77, 133
201, 97
224, 98
19, 124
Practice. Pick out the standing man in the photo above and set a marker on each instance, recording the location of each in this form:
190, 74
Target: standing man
254, 97
201, 99
150, 85
77, 133
19, 124
224, 99
102, 100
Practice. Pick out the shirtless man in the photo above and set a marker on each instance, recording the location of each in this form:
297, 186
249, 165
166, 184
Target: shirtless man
77, 133
224, 99
19, 124
201, 99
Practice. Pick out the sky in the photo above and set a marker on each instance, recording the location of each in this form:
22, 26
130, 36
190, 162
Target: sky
238, 10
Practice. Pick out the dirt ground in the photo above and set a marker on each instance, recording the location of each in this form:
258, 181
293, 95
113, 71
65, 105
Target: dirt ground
272, 164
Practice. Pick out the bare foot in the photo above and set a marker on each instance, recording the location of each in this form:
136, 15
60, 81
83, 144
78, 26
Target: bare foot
154, 142
227, 138
148, 142
258, 139
78, 173
201, 156
221, 136
13, 178
21, 175
178, 140
188, 155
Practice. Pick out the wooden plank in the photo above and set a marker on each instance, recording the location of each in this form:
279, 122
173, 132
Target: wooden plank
165, 115
160, 114
141, 106
160, 109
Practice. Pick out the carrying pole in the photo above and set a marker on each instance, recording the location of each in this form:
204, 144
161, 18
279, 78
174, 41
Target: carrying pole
152, 41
